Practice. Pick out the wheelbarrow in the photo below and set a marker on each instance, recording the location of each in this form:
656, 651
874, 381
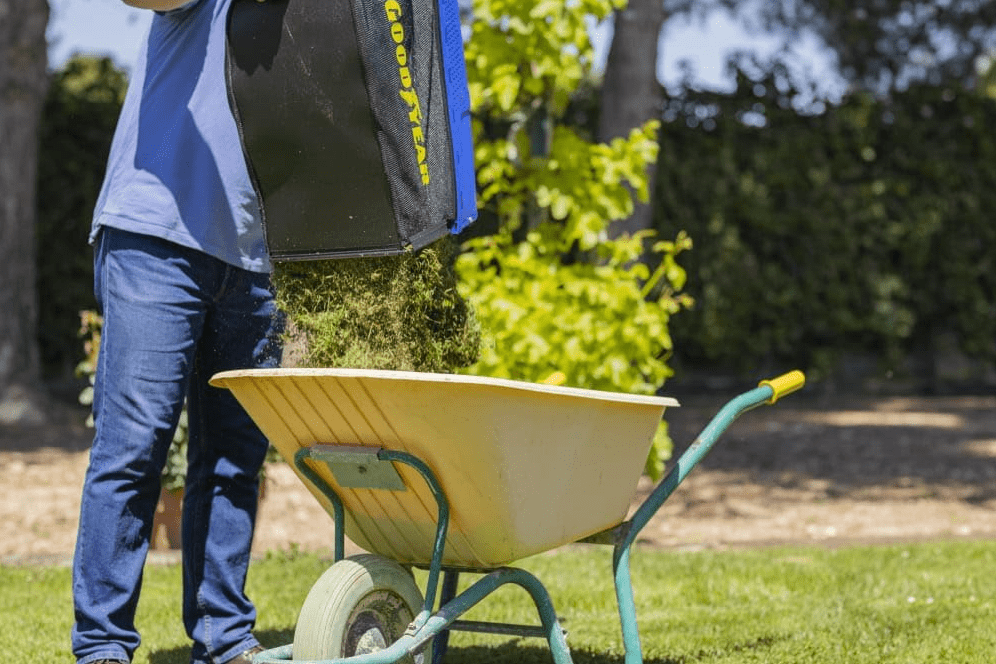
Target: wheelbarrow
456, 475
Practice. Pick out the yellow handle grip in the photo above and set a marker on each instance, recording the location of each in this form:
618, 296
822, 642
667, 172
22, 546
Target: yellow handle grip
784, 384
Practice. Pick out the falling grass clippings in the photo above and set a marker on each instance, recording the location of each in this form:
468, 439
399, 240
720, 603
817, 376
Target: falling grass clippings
399, 313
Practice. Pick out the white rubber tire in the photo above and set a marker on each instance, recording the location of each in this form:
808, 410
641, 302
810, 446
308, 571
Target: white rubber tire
361, 604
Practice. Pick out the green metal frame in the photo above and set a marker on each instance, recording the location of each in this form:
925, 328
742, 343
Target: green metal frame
630, 529
435, 626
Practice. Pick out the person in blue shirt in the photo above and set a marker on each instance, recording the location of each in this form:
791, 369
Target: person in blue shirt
182, 282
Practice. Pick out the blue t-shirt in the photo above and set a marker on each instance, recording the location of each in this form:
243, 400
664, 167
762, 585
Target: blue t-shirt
176, 168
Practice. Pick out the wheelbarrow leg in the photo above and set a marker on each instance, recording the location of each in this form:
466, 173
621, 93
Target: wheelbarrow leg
627, 606
548, 616
551, 629
452, 608
767, 392
448, 592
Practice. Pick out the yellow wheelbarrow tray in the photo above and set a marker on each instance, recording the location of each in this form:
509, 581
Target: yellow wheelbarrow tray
458, 474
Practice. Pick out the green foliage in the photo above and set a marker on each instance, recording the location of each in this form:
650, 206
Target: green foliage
524, 56
402, 313
889, 44
77, 125
864, 227
553, 292
591, 321
986, 85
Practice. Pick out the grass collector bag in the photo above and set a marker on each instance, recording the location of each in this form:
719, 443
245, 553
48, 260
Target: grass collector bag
355, 123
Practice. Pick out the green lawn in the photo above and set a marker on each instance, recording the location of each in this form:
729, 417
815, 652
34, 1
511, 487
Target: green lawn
932, 602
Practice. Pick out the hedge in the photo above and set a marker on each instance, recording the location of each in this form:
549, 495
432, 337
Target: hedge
77, 125
866, 227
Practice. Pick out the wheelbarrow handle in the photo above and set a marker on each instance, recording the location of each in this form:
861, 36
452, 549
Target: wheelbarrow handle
784, 385
767, 392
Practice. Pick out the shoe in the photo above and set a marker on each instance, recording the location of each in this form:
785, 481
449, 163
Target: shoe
244, 658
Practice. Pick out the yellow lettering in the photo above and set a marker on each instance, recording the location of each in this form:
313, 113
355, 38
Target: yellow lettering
414, 108
392, 8
406, 77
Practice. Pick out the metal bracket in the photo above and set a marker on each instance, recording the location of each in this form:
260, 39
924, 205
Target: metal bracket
612, 536
358, 467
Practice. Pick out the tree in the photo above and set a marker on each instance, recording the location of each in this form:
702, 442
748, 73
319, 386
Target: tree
883, 45
23, 82
631, 93
880, 45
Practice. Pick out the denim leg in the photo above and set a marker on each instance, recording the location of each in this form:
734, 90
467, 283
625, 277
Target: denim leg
225, 453
172, 317
152, 317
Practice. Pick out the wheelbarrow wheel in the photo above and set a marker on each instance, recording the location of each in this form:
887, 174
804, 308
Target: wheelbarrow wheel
360, 605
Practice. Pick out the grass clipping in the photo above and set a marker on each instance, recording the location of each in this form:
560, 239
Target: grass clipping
399, 313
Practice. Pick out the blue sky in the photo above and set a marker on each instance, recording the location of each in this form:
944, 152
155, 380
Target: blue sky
110, 27
107, 27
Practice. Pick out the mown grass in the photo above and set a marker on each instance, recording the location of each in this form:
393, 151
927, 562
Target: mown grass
932, 602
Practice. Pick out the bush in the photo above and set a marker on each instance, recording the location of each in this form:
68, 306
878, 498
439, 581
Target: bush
78, 123
864, 227
552, 290
601, 325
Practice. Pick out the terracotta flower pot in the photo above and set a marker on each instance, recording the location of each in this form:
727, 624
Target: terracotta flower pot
166, 523
169, 515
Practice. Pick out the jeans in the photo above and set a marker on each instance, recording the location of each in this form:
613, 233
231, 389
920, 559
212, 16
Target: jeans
173, 317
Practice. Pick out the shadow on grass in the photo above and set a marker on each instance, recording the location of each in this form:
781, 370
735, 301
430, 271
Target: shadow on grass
510, 652
514, 652
270, 638
274, 638
517, 653
177, 655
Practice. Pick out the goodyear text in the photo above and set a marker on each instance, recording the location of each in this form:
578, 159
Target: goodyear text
407, 92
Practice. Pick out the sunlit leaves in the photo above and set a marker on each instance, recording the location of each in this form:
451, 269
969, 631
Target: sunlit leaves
593, 321
552, 290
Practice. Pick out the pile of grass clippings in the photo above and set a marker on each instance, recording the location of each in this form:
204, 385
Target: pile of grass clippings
398, 313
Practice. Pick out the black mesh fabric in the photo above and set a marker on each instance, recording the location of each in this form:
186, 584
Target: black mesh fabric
404, 77
342, 113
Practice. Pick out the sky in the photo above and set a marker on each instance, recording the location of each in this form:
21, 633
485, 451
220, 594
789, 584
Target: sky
105, 27
110, 27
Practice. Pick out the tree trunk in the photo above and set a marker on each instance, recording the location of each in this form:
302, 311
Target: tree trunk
631, 93
23, 84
